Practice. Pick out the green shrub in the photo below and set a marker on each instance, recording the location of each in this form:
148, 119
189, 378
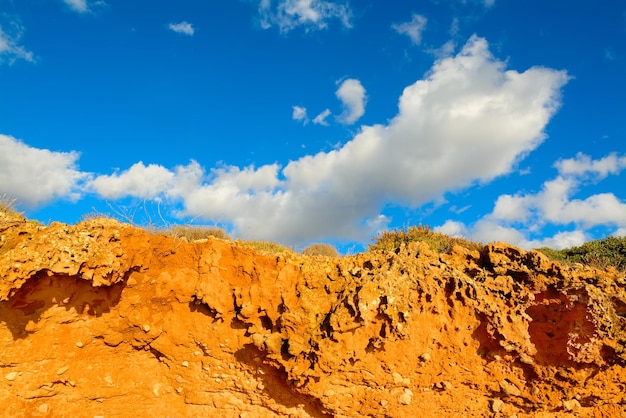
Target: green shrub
441, 243
325, 250
601, 253
554, 255
194, 233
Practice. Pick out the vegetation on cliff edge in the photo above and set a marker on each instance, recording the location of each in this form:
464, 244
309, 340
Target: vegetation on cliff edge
441, 243
601, 253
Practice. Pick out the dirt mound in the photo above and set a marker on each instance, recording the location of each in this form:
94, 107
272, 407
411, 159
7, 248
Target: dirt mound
104, 319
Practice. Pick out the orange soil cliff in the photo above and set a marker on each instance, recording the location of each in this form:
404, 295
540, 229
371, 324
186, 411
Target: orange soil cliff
103, 319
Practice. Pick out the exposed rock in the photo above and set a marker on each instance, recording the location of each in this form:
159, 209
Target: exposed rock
100, 316
497, 405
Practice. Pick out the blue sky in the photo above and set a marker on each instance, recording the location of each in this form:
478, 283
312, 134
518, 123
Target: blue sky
303, 121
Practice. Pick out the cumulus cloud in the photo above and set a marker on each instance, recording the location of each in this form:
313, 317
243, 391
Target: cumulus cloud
412, 29
321, 118
353, 97
183, 27
469, 120
467, 107
583, 165
299, 114
516, 218
310, 14
36, 176
145, 182
10, 50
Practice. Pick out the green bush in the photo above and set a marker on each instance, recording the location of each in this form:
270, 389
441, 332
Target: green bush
601, 253
441, 243
325, 250
194, 233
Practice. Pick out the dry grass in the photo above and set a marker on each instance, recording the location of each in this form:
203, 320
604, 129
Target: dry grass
7, 209
325, 250
195, 233
266, 247
441, 243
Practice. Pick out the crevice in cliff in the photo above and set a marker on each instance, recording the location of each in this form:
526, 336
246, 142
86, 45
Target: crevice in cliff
24, 310
276, 384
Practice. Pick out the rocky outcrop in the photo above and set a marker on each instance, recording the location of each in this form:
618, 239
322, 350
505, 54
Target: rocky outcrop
104, 319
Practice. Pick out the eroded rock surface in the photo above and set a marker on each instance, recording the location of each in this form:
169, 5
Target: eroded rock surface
101, 317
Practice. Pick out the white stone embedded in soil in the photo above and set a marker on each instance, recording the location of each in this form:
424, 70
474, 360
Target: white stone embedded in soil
406, 397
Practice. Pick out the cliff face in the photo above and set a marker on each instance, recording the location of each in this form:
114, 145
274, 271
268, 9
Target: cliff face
104, 319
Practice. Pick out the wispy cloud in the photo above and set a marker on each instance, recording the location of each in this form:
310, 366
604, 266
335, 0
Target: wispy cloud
309, 14
516, 218
299, 114
353, 97
84, 6
412, 29
37, 176
609, 54
469, 106
183, 27
10, 50
321, 118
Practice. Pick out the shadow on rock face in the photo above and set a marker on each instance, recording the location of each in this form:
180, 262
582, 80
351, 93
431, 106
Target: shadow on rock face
24, 311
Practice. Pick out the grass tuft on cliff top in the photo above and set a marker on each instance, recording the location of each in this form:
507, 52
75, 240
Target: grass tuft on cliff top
324, 250
7, 209
441, 243
195, 233
601, 253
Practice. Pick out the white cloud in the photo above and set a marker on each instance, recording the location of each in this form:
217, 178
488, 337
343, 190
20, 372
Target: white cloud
452, 228
516, 218
145, 182
79, 6
299, 113
184, 28
84, 6
412, 29
582, 165
467, 107
36, 176
353, 97
321, 118
310, 14
10, 50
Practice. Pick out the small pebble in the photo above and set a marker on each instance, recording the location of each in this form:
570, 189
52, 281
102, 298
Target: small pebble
79, 344
425, 357
185, 363
406, 397
44, 408
62, 370
571, 405
497, 405
397, 378
146, 328
10, 376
